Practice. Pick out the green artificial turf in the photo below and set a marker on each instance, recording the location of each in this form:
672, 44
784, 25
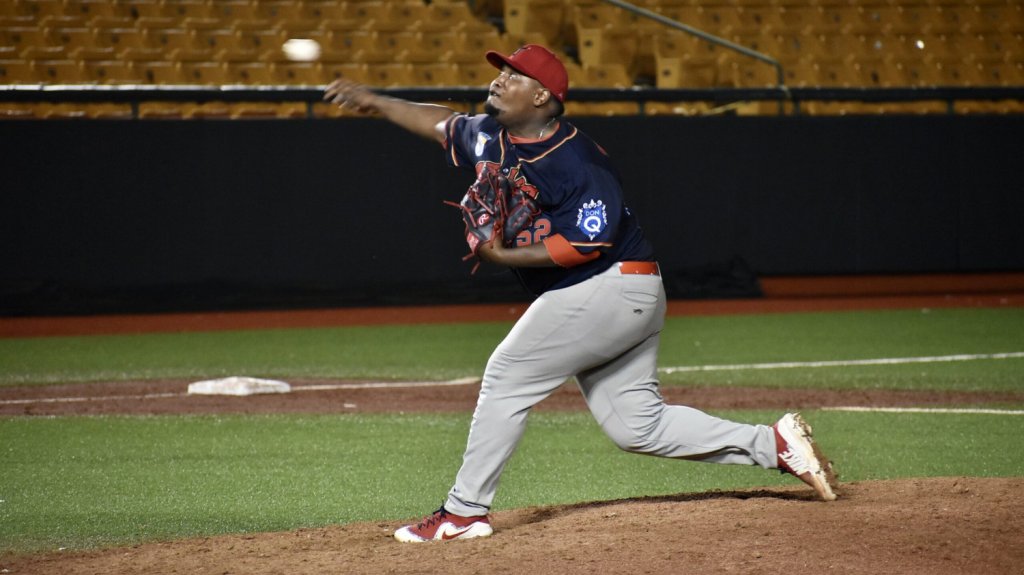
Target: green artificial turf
459, 350
76, 482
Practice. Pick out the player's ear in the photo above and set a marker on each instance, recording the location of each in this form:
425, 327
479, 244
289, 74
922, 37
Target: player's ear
541, 96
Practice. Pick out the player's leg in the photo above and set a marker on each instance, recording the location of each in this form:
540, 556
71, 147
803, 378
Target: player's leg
563, 332
623, 395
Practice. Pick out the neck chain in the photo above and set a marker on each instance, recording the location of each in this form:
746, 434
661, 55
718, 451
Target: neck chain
545, 128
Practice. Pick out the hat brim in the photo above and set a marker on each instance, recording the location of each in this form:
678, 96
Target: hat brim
498, 60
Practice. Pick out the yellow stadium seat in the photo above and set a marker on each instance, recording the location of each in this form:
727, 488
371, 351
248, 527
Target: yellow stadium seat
602, 76
59, 22
801, 73
278, 11
434, 74
120, 38
191, 55
209, 111
919, 73
880, 73
25, 37
601, 108
61, 72
544, 17
43, 52
452, 16
266, 42
219, 39
143, 9
743, 72
110, 111
390, 16
18, 72
358, 46
759, 19
997, 17
196, 9
397, 42
91, 8
474, 75
598, 46
111, 72
227, 10
62, 111
164, 110
838, 73
172, 39
252, 110
299, 74
43, 8
390, 75
999, 72
797, 19
250, 73
204, 73
987, 107
680, 72
74, 37
161, 73
601, 15
675, 108
17, 111
352, 71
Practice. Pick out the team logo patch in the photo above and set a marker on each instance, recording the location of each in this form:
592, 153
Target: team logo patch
592, 218
481, 141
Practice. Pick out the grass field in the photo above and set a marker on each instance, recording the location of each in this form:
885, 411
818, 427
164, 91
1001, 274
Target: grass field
78, 482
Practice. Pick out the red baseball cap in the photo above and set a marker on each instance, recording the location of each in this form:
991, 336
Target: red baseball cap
538, 63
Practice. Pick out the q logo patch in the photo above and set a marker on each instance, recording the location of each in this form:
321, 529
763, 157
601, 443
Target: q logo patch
481, 141
592, 218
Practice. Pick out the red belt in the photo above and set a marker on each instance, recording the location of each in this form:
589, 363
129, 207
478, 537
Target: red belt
639, 268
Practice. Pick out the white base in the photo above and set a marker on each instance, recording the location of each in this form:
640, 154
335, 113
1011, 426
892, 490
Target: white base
236, 385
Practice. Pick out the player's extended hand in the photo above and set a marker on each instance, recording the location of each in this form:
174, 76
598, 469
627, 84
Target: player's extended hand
492, 251
349, 94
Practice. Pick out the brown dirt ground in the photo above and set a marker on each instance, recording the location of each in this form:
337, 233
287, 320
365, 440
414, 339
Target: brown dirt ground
932, 526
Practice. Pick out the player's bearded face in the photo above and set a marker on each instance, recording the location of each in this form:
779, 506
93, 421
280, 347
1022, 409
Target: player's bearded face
510, 95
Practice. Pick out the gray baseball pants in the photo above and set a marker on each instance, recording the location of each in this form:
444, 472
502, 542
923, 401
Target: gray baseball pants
605, 332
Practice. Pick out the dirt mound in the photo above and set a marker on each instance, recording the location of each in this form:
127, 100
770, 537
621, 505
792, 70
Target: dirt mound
916, 526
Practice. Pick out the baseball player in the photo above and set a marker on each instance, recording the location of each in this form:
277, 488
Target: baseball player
600, 303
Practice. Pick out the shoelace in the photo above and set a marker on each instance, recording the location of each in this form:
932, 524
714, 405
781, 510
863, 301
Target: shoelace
435, 518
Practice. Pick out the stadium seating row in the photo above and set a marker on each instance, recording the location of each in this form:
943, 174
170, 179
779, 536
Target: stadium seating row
846, 43
203, 72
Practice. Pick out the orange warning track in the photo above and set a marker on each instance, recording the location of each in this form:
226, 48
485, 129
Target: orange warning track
782, 295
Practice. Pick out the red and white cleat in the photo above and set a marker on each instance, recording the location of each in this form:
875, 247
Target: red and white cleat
444, 526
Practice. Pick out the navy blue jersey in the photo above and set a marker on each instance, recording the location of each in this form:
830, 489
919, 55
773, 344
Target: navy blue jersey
577, 188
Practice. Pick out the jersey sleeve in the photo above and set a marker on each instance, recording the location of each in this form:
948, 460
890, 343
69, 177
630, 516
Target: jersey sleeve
466, 139
591, 213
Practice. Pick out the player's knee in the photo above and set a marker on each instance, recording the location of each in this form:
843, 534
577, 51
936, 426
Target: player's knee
633, 439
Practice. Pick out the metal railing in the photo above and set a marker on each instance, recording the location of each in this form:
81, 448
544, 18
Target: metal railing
779, 73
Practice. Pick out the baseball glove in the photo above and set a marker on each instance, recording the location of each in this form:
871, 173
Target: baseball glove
493, 208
